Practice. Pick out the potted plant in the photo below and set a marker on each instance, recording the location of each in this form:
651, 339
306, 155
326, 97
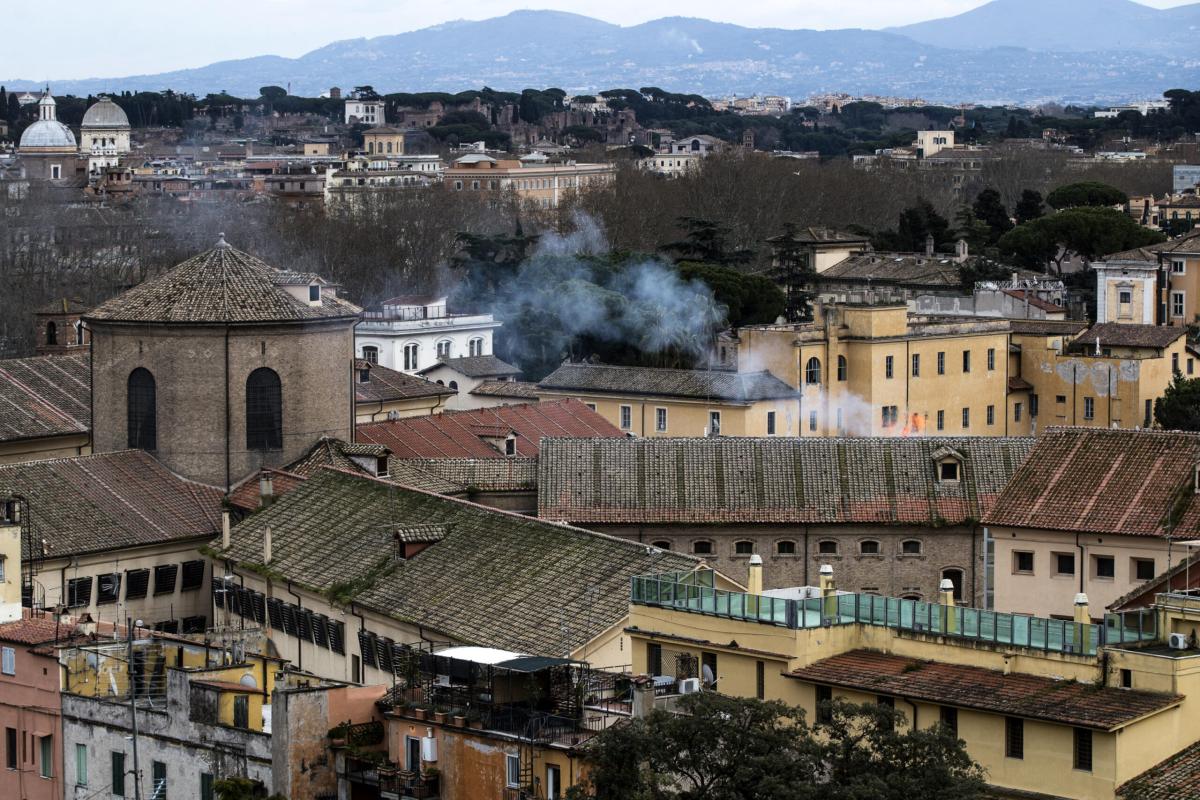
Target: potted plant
440, 715
432, 780
420, 712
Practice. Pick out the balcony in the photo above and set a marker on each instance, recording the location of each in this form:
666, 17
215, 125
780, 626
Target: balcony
695, 593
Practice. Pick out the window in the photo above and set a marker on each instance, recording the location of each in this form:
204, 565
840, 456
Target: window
142, 412
108, 587
1176, 304
824, 704
81, 764
158, 777
1105, 567
760, 680
475, 347
626, 417
512, 771
1016, 412
137, 581
164, 578
206, 786
661, 544
966, 418
453, 385
911, 547
743, 547
941, 363
193, 574
241, 711
841, 368
443, 348
264, 410
770, 423
889, 416
785, 548
991, 358
654, 658
886, 700
941, 420
1033, 405
79, 333
714, 423
1143, 568
991, 415
1178, 266
79, 592
702, 547
8, 660
916, 365
1174, 362
870, 547
51, 333
949, 718
955, 576
1023, 562
812, 420
370, 354
888, 364
410, 355
1126, 678
1089, 408
1064, 563
708, 669
46, 756
966, 360
1014, 737
314, 293
10, 748
812, 371
118, 774
1083, 749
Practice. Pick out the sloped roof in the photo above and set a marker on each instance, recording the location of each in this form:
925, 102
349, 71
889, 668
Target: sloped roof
1116, 334
45, 396
36, 630
476, 366
110, 501
1137, 254
1189, 243
908, 268
726, 479
521, 389
462, 434
497, 579
738, 387
387, 384
821, 235
1016, 694
1033, 300
223, 286
1175, 778
1098, 480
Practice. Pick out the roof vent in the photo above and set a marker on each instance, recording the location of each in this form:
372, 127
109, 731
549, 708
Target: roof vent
221, 243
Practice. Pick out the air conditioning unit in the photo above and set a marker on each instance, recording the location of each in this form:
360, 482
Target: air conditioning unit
441, 680
1177, 641
689, 686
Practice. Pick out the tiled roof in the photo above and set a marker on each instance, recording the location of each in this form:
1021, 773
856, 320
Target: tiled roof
1183, 577
1176, 778
1019, 384
521, 389
110, 501
497, 579
35, 630
388, 384
462, 434
1046, 327
487, 474
738, 387
64, 305
908, 268
1098, 480
1116, 334
45, 396
1017, 695
222, 285
1034, 300
477, 366
1136, 254
825, 480
1184, 244
821, 235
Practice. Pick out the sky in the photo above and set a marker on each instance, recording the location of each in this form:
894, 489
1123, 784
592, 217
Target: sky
115, 38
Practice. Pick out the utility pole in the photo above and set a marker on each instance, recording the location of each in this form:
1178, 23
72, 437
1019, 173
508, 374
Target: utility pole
137, 782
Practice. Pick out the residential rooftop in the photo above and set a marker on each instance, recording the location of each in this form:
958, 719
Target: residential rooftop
385, 385
736, 387
477, 366
45, 396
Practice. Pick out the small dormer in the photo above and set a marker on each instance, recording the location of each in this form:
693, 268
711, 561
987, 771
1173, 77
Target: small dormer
364, 371
948, 465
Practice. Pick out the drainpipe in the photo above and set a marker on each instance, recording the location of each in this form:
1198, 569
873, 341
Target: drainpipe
1080, 566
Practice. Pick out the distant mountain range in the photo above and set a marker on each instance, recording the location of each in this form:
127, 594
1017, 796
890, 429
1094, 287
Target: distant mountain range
1007, 51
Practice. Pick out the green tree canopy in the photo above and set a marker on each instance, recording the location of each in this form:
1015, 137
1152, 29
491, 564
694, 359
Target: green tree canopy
1179, 407
749, 299
272, 92
1029, 207
1089, 232
707, 242
915, 225
727, 748
989, 209
1085, 193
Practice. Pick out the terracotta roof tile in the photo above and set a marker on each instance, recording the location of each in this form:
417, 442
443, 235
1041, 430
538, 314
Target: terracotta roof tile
1176, 778
1116, 334
518, 389
738, 387
1018, 695
453, 434
35, 630
477, 366
1097, 480
45, 396
386, 384
727, 479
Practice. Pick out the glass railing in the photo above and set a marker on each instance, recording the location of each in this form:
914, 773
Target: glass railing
694, 592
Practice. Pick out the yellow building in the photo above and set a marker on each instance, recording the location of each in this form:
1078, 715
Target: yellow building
1180, 261
645, 401
384, 140
539, 184
1049, 708
1153, 285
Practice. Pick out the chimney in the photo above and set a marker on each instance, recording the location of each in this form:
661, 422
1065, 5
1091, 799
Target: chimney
755, 582
266, 490
225, 529
946, 592
267, 546
86, 625
929, 245
1082, 615
961, 251
827, 587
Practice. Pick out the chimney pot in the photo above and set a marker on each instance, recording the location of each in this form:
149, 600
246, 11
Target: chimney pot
266, 490
754, 584
1083, 615
267, 546
225, 529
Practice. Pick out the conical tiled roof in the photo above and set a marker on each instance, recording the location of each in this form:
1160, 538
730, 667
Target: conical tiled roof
222, 286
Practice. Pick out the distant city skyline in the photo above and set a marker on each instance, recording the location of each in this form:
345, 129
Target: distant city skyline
130, 37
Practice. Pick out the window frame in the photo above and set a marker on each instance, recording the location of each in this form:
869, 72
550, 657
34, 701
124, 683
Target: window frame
512, 766
1138, 563
1110, 561
812, 371
740, 547
706, 543
1058, 563
966, 362
370, 353
8, 660
264, 410
1014, 738
889, 364
906, 551
835, 550
1018, 556
842, 368
782, 545
1082, 749
81, 776
141, 410
625, 417
660, 419
916, 365
865, 544
941, 362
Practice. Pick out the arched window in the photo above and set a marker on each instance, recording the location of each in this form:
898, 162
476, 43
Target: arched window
812, 371
841, 368
702, 547
476, 347
142, 411
264, 410
827, 547
744, 547
51, 333
662, 544
911, 547
868, 547
443, 348
410, 355
79, 333
370, 147
955, 576
786, 548
453, 385
370, 354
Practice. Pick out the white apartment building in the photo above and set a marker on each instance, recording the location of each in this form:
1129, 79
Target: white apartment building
411, 333
365, 112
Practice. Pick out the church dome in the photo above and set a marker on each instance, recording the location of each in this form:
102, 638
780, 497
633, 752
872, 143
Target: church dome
47, 133
105, 114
